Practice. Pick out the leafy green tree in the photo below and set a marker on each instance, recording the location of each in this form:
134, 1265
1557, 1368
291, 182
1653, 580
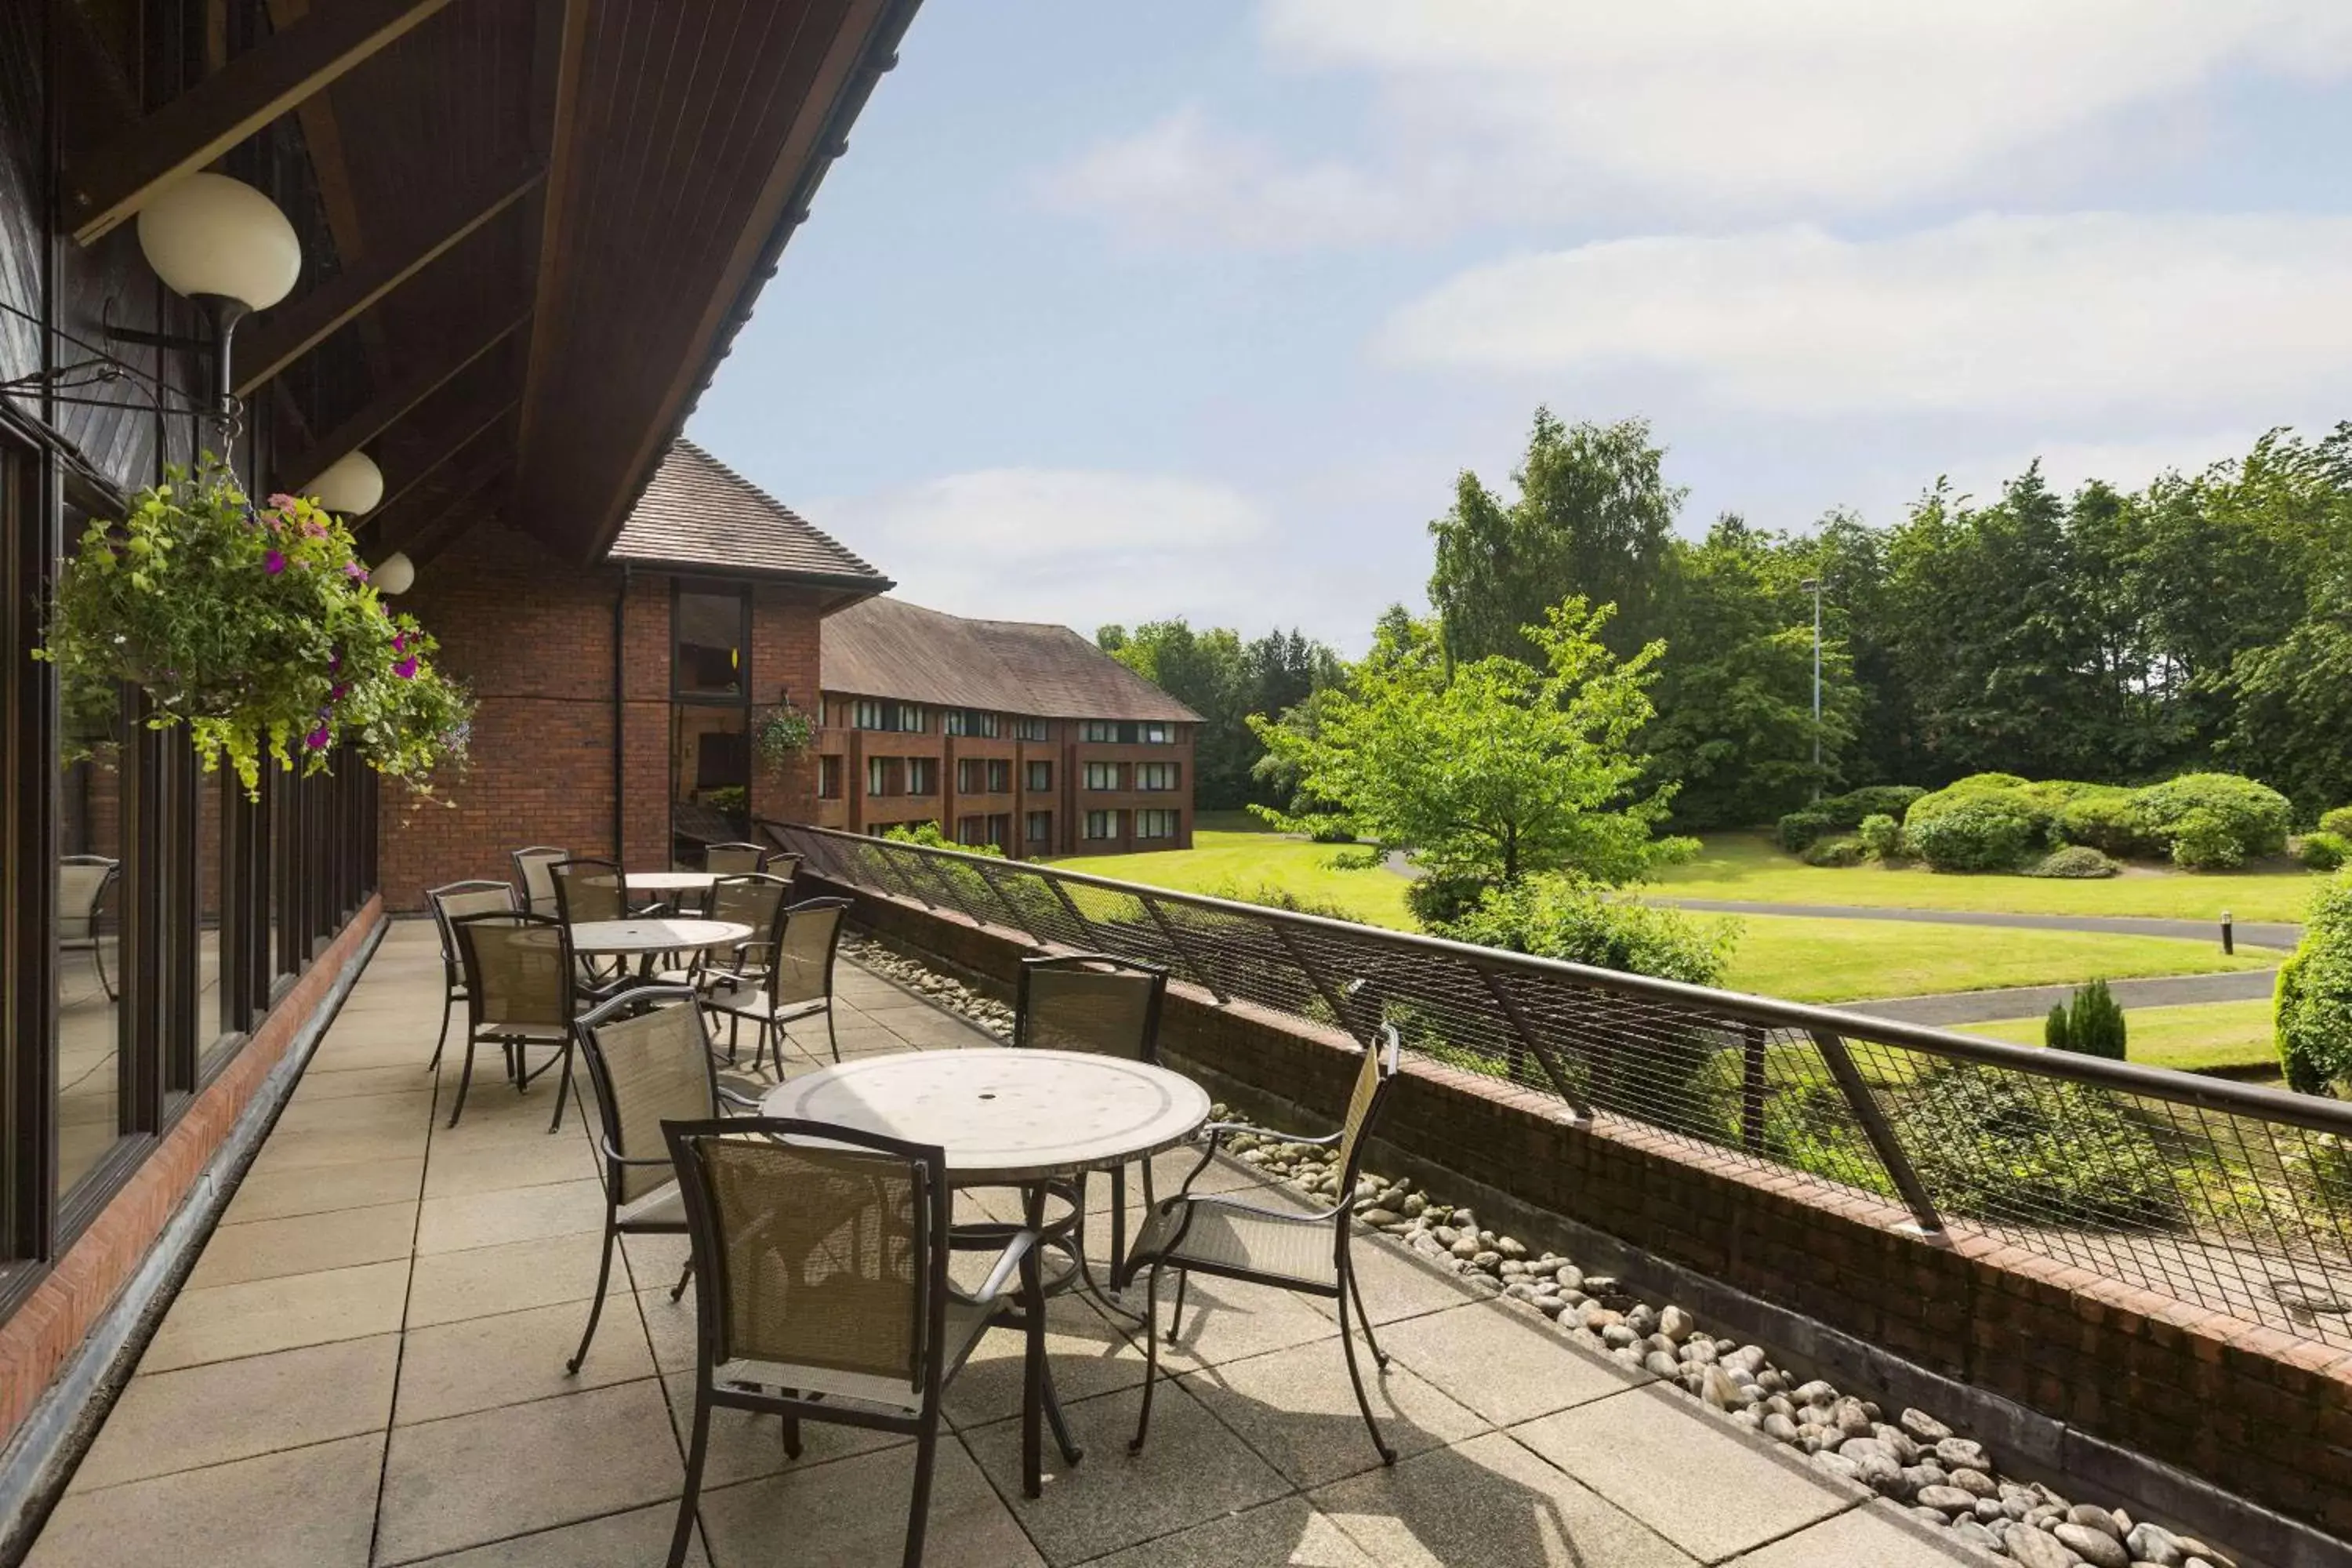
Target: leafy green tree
1593, 520
1225, 680
1488, 770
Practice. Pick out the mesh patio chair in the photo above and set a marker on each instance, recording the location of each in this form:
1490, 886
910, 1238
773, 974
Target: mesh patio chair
83, 882
519, 993
734, 859
753, 901
782, 863
1304, 1253
1108, 1006
588, 890
799, 984
453, 902
648, 1056
822, 1257
531, 875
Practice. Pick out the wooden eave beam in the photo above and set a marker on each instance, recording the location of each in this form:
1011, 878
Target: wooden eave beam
462, 434
390, 407
228, 106
556, 95
445, 529
418, 525
297, 328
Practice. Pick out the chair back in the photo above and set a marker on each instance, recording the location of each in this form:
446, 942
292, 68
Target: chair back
816, 1245
804, 966
517, 970
456, 901
751, 900
1090, 1001
82, 881
588, 890
782, 863
538, 883
734, 859
649, 1056
1373, 1082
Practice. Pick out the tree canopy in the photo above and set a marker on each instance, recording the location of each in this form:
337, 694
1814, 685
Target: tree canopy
1225, 680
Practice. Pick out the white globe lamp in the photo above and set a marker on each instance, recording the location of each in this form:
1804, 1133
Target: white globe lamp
351, 484
395, 573
225, 245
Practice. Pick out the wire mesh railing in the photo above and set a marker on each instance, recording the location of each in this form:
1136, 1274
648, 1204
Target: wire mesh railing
2226, 1195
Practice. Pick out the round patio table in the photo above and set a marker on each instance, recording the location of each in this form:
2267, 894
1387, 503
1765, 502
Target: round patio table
1008, 1117
670, 881
607, 939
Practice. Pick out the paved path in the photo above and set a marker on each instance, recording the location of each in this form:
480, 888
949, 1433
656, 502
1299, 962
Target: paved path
2252, 933
366, 1366
1956, 1007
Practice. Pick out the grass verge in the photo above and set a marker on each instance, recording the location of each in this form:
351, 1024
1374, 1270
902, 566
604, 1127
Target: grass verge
2214, 1035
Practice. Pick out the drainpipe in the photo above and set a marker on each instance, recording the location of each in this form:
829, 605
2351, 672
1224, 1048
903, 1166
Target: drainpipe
620, 769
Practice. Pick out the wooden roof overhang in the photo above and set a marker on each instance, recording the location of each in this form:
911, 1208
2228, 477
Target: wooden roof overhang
545, 221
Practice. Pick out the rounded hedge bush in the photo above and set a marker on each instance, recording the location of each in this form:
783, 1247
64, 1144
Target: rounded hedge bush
2314, 1009
2074, 861
1882, 836
1975, 787
2324, 851
2231, 819
2339, 821
1799, 830
1991, 832
1849, 809
1843, 850
2109, 820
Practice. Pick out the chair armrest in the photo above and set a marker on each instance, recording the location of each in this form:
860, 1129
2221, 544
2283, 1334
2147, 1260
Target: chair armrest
618, 1158
999, 1277
734, 1096
1219, 1131
1287, 1217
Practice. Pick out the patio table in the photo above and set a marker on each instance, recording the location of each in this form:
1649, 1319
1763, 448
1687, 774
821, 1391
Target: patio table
645, 937
669, 881
1010, 1117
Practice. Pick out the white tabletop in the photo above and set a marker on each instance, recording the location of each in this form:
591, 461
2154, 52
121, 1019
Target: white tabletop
1005, 1115
655, 936
670, 881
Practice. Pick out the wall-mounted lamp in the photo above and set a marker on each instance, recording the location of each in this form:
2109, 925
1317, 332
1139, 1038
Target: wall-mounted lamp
225, 246
394, 574
351, 484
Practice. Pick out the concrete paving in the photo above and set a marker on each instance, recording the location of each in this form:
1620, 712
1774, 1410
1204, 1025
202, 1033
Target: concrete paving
367, 1368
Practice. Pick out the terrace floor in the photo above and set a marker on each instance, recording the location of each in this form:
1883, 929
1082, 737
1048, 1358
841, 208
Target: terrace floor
366, 1366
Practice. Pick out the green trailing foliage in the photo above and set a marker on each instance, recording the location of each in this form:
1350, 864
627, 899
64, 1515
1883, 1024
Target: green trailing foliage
2075, 862
2091, 1023
1559, 917
2314, 998
2323, 851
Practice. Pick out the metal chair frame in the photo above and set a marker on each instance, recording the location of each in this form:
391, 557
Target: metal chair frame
479, 1032
770, 1021
544, 856
453, 967
597, 980
89, 941
1341, 1217
759, 859
934, 1201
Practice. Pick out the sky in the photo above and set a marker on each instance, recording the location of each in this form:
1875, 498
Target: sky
1116, 312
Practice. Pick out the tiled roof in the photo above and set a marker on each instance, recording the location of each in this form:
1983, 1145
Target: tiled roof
699, 512
889, 649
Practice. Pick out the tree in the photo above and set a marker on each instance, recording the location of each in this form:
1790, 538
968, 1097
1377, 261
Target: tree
1488, 770
1225, 680
1592, 519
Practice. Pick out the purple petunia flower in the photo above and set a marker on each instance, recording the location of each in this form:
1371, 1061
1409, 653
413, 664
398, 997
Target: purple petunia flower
316, 739
274, 563
335, 693
400, 642
406, 667
354, 570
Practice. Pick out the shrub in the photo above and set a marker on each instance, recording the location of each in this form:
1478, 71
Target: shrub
2091, 1023
1991, 832
2109, 820
1440, 897
1333, 830
929, 835
1843, 850
2076, 860
1958, 793
1557, 917
1882, 836
2338, 822
2016, 1146
2204, 840
1799, 830
2324, 851
2314, 1009
1275, 896
1366, 858
2252, 817
1849, 809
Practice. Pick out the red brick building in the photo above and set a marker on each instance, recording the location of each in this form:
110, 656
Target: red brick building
1014, 734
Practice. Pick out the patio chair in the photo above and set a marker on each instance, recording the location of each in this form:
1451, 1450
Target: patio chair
799, 983
782, 863
734, 859
753, 901
83, 882
823, 1255
520, 993
1110, 1006
1304, 1253
451, 902
648, 1056
532, 877
589, 891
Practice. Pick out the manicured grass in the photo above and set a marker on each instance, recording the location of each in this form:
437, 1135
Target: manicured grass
1802, 960
1745, 866
1236, 864
2199, 1038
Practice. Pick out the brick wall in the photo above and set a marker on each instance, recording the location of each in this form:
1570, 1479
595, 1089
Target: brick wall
2264, 1416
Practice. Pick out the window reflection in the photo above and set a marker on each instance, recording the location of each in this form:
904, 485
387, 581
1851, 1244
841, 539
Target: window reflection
709, 661
89, 933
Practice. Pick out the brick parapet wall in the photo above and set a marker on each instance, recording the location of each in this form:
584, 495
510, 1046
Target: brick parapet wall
2260, 1413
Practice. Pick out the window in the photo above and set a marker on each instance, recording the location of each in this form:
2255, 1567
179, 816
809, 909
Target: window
968, 775
1102, 823
1000, 776
967, 721
1102, 775
986, 725
1155, 775
1156, 734
866, 713
1000, 829
877, 775
1155, 825
1041, 828
1040, 777
972, 830
829, 778
1032, 729
951, 721
711, 629
1100, 729
910, 718
922, 775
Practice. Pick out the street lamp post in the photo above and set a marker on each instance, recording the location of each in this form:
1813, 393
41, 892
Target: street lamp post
1814, 586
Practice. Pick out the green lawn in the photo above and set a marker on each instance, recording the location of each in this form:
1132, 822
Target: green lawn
1236, 862
1801, 959
2214, 1035
1747, 865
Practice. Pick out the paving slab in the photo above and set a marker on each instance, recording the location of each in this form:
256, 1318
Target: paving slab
304, 1508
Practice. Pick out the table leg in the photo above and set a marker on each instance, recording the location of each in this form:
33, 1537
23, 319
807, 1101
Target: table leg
1032, 1379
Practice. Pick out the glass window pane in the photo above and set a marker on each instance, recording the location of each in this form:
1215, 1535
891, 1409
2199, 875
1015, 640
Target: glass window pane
709, 649
711, 774
91, 897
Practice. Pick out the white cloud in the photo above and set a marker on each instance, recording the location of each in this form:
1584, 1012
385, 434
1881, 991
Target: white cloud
1521, 109
1075, 547
2025, 316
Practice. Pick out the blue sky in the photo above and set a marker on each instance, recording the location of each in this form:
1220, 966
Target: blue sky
1118, 311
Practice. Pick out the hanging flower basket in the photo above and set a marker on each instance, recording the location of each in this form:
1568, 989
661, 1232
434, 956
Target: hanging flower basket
255, 628
783, 733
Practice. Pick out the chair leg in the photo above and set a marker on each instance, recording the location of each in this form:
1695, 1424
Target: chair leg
684, 1535
1355, 1376
792, 1436
683, 1275
98, 961
1380, 1356
1183, 1282
441, 1040
1151, 1356
563, 1087
919, 1509
464, 1078
831, 1038
596, 1306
